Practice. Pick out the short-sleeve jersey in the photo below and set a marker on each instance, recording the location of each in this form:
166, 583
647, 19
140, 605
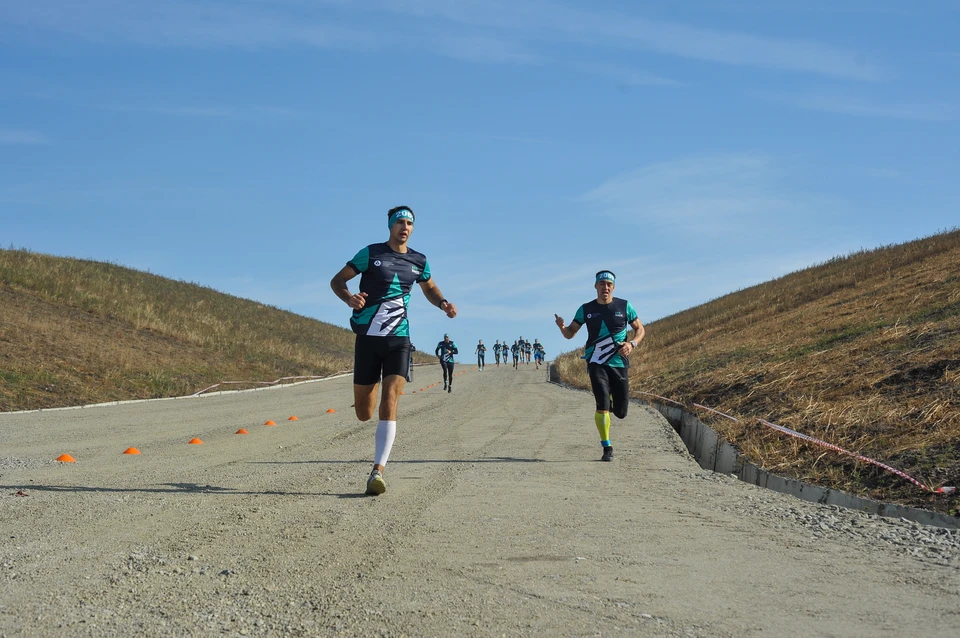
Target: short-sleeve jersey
481, 349
387, 278
606, 330
496, 348
445, 350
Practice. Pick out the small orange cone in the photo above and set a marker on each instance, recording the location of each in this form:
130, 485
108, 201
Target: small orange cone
195, 441
66, 458
293, 418
242, 431
331, 411
131, 450
402, 392
269, 423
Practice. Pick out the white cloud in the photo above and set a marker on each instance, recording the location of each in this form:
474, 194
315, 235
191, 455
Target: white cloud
216, 112
504, 32
627, 76
861, 107
12, 137
701, 195
485, 49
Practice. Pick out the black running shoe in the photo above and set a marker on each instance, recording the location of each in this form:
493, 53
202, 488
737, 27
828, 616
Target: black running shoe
607, 453
450, 388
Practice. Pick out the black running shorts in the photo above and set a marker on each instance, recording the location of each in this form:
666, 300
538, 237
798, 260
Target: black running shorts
380, 357
607, 382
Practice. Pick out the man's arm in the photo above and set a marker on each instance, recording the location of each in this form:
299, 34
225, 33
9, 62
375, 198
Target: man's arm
638, 332
434, 296
565, 330
339, 286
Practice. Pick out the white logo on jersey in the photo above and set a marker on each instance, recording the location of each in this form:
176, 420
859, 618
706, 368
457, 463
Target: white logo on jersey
416, 270
603, 351
590, 316
390, 314
377, 263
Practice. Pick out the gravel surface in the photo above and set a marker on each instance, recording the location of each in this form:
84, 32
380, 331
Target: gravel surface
499, 520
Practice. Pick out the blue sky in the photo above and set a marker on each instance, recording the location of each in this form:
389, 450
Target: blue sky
693, 147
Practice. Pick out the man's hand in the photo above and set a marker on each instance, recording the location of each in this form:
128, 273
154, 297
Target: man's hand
560, 323
357, 301
448, 308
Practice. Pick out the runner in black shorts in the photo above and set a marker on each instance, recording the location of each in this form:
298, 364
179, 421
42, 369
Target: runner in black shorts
496, 352
607, 351
445, 351
382, 349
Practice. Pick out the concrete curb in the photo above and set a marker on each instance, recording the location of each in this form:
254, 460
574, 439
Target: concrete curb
715, 454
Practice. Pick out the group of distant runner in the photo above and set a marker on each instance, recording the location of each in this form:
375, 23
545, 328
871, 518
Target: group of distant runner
382, 353
522, 351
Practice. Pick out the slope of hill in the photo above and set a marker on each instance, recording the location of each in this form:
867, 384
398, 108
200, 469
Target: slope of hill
75, 332
862, 352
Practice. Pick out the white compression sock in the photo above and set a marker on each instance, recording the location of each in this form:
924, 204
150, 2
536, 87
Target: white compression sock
386, 432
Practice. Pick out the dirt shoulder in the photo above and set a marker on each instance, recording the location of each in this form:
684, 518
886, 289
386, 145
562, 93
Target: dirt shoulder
499, 520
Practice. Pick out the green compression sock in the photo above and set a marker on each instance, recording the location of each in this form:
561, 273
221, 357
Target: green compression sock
602, 419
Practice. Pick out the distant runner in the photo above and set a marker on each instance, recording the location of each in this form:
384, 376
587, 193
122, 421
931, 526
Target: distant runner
382, 349
607, 318
538, 352
496, 352
515, 353
410, 366
480, 352
445, 351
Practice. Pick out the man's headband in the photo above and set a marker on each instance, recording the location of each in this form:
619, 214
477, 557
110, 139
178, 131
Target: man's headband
400, 213
606, 275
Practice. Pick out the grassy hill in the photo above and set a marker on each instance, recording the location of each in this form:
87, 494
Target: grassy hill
75, 332
862, 352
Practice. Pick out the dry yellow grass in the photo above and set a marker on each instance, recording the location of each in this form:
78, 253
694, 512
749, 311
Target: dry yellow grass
79, 332
862, 352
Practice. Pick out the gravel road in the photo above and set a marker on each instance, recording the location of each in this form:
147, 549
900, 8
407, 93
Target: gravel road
499, 520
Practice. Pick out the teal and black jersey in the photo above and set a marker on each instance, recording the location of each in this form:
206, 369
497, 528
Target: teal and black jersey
387, 278
606, 330
445, 350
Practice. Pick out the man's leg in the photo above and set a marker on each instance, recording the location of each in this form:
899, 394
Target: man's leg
619, 392
395, 357
600, 381
365, 400
387, 426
